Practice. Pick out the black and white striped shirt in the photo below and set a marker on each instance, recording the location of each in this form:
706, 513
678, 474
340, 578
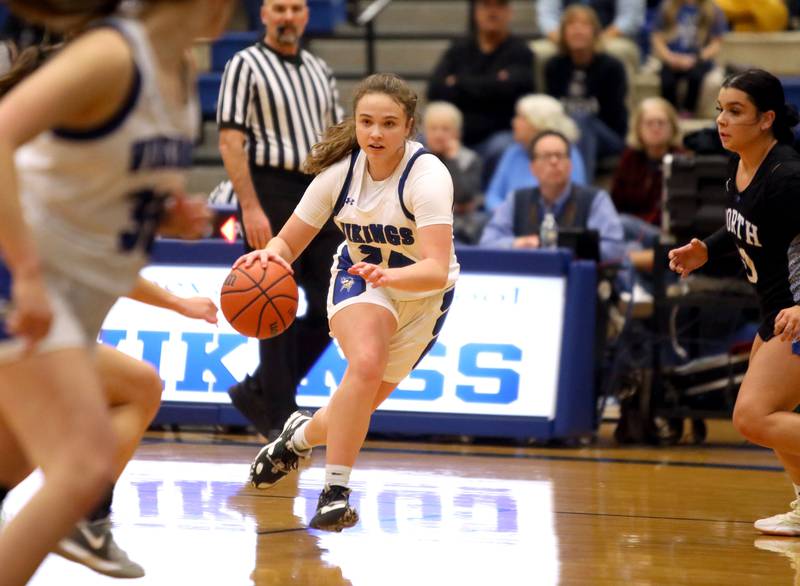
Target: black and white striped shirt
283, 104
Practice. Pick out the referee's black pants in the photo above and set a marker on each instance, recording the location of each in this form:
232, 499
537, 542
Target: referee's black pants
285, 359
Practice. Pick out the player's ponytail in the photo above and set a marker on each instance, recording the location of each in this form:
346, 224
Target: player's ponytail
24, 64
766, 93
340, 140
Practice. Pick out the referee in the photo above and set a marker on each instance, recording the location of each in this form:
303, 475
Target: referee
276, 100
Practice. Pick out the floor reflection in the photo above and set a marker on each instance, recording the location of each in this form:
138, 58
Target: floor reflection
428, 519
196, 523
788, 547
440, 529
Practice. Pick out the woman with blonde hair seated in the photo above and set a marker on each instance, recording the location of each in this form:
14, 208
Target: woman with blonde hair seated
637, 184
535, 113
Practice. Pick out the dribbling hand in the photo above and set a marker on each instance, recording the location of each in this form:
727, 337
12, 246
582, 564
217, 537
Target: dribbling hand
375, 275
31, 315
787, 324
688, 258
263, 256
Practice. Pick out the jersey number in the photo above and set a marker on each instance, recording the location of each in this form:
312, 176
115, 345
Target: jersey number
373, 255
146, 213
749, 266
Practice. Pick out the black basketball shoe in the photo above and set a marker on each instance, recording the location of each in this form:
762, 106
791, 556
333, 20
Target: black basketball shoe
334, 512
278, 458
92, 544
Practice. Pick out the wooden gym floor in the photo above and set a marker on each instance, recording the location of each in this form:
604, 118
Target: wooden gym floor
445, 514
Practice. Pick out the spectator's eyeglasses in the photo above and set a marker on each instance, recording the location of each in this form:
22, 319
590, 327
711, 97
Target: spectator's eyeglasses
655, 123
550, 156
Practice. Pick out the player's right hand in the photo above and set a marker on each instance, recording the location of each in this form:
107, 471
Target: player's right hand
31, 315
688, 258
263, 256
257, 227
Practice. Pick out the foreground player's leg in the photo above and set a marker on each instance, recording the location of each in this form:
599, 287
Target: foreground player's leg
62, 424
764, 414
133, 391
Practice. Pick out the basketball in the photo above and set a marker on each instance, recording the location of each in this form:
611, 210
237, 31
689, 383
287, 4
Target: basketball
259, 303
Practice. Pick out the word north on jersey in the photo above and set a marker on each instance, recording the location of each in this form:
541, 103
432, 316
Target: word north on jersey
378, 233
734, 222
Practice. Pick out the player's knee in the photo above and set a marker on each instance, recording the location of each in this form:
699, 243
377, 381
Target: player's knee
750, 422
150, 388
368, 365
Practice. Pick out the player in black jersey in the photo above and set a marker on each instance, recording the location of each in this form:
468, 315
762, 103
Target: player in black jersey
762, 225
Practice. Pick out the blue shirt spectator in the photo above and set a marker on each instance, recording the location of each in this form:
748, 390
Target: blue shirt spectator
603, 217
534, 113
626, 16
516, 226
682, 27
514, 172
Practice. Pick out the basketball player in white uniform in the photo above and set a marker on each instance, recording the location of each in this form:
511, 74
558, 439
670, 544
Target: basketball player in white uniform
102, 136
392, 279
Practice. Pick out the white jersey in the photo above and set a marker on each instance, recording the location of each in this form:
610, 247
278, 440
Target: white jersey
94, 198
380, 219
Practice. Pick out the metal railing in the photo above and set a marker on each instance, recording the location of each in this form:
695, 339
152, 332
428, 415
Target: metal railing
367, 20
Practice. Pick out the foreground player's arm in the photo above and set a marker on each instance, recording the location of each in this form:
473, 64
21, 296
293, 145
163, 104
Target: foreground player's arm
81, 87
148, 292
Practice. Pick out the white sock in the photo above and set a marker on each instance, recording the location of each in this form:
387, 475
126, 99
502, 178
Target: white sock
796, 490
339, 475
299, 442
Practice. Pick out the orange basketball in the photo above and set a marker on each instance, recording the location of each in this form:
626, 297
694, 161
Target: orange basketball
259, 303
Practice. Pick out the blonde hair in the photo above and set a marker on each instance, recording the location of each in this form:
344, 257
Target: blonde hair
573, 12
634, 138
445, 109
340, 139
544, 112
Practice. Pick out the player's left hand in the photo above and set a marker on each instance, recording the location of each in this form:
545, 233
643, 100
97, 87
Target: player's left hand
787, 323
187, 217
375, 275
199, 308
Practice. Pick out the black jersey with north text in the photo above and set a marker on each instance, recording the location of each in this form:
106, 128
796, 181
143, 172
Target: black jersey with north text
764, 220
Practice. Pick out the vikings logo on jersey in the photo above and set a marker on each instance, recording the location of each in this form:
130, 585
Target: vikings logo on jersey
378, 233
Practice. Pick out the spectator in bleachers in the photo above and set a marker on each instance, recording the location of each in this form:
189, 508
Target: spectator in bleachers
638, 180
483, 75
621, 22
515, 224
535, 113
591, 84
686, 38
442, 130
761, 16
